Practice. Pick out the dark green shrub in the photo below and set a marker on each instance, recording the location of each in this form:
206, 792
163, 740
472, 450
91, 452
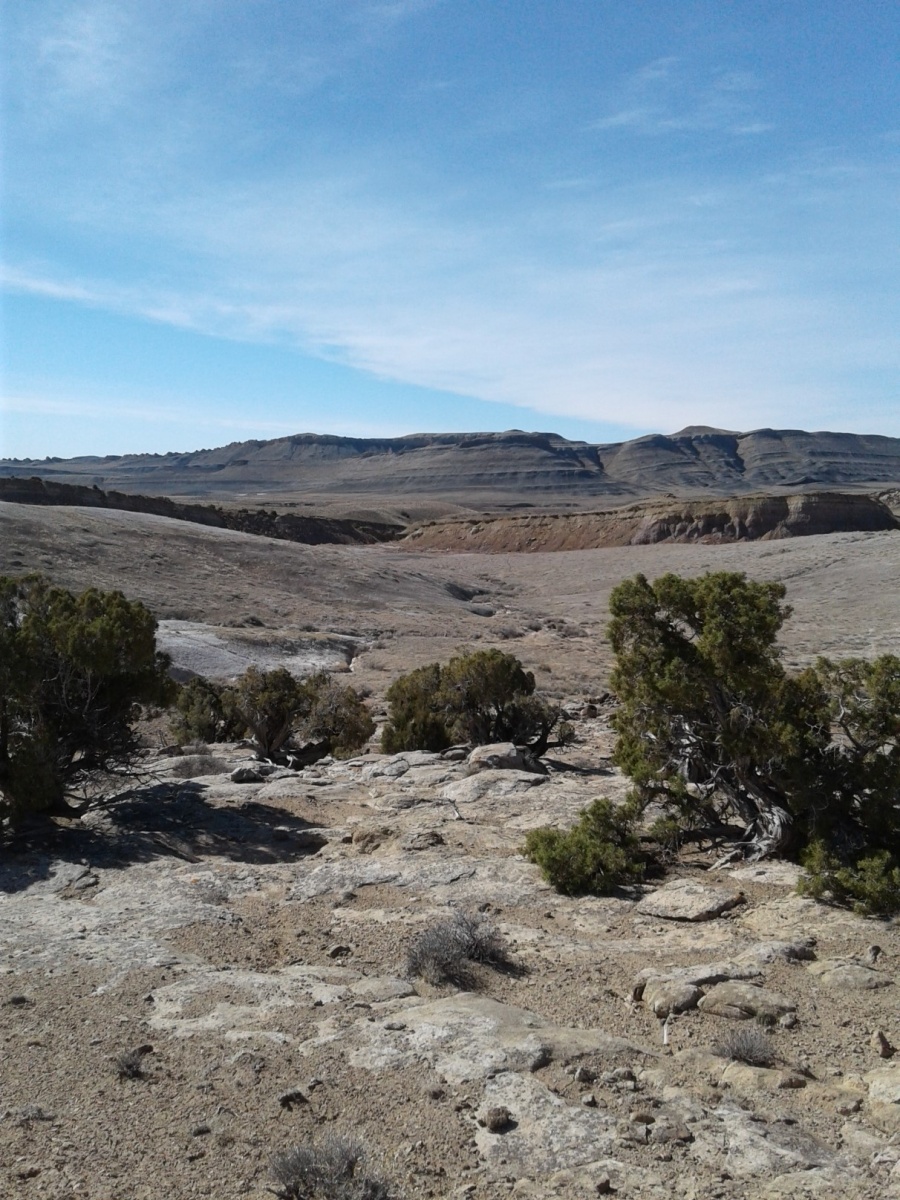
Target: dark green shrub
200, 714
416, 721
312, 717
74, 671
711, 725
337, 717
480, 698
593, 857
870, 886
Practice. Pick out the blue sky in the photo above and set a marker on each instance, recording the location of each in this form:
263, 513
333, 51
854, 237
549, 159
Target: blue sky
226, 219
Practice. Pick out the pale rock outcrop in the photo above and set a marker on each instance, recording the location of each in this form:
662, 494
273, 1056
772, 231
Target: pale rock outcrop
686, 900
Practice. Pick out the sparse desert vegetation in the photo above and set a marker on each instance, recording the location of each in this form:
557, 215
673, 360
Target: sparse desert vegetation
560, 976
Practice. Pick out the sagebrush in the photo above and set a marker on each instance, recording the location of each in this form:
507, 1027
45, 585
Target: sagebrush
331, 1169
747, 1045
445, 950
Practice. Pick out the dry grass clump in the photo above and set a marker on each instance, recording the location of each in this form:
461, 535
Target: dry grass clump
328, 1170
444, 951
193, 766
130, 1064
747, 1045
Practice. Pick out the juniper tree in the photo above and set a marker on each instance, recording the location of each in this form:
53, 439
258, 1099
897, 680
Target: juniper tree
74, 671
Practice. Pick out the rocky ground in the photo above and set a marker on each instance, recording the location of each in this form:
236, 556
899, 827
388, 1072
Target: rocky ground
248, 942
244, 944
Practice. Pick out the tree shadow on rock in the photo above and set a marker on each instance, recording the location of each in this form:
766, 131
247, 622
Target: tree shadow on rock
160, 821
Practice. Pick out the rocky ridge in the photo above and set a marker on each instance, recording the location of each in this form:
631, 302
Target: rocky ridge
751, 518
291, 527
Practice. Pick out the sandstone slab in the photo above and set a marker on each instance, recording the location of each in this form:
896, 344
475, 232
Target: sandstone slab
687, 900
842, 973
749, 1148
466, 1037
545, 1135
491, 783
741, 1001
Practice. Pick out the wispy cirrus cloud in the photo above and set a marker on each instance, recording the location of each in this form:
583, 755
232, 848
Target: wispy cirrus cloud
670, 314
663, 97
233, 191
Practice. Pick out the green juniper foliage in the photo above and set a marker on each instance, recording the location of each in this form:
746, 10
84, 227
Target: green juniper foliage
483, 697
317, 715
74, 671
595, 856
200, 714
712, 726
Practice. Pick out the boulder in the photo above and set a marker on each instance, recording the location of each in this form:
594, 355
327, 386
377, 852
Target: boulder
799, 950
665, 996
504, 756
251, 773
741, 1001
884, 1084
702, 975
843, 973
389, 768
686, 900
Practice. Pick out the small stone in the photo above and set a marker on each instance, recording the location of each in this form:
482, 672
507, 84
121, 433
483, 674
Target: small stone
872, 955
589, 1100
584, 1074
339, 951
496, 1119
292, 1098
879, 1043
395, 1026
603, 1186
200, 1131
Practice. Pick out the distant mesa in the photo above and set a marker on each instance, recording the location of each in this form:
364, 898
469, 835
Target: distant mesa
494, 471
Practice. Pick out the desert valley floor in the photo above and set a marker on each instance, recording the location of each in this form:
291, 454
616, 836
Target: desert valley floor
252, 936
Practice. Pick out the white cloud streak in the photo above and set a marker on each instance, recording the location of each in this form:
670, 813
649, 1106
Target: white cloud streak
663, 98
663, 304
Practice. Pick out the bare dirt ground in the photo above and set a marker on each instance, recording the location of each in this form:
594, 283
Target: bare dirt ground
254, 935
